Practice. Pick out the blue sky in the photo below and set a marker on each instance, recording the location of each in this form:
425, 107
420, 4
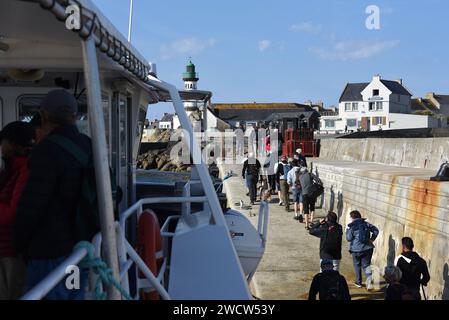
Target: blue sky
287, 50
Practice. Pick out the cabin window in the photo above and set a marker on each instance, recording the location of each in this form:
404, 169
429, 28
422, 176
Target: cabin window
355, 106
347, 106
28, 106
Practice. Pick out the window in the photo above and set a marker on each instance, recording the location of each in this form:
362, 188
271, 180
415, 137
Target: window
376, 106
355, 106
375, 92
329, 123
377, 121
351, 123
28, 106
347, 106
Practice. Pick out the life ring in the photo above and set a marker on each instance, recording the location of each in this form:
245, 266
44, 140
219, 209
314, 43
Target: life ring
149, 248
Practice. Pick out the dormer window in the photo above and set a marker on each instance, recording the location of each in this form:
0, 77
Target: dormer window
375, 92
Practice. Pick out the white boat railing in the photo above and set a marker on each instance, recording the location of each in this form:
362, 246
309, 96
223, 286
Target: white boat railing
126, 253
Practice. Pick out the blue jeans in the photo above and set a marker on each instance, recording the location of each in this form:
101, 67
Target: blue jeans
37, 270
362, 260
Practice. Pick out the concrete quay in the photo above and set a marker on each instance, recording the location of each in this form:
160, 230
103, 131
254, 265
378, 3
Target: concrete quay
401, 201
291, 257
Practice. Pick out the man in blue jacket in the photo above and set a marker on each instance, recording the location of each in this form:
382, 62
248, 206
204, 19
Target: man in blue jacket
361, 236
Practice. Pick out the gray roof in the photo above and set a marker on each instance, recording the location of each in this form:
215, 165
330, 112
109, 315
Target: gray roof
167, 117
282, 115
396, 88
442, 99
353, 92
252, 114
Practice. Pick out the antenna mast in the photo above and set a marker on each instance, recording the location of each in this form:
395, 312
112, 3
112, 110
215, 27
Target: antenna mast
130, 26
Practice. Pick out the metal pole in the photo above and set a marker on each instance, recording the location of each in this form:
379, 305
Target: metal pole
101, 161
130, 25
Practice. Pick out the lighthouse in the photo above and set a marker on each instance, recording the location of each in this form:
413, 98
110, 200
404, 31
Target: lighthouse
190, 78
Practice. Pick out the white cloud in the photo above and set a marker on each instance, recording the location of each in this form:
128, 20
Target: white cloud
185, 47
354, 50
306, 27
264, 45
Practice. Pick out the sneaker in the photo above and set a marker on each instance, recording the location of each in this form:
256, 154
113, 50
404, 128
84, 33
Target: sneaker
296, 217
358, 285
301, 219
281, 204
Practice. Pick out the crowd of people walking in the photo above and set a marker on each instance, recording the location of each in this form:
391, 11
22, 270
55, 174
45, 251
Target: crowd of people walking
294, 184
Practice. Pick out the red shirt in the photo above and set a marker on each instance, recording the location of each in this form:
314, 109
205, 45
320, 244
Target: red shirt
12, 182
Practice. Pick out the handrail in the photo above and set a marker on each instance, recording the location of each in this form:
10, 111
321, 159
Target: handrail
52, 280
126, 214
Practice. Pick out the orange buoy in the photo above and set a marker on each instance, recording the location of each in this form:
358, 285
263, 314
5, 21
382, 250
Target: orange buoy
149, 246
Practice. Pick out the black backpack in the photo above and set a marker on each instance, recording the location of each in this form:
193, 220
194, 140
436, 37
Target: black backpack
330, 287
87, 218
332, 242
298, 179
317, 187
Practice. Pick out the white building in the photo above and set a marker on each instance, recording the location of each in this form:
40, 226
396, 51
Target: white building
376, 105
166, 122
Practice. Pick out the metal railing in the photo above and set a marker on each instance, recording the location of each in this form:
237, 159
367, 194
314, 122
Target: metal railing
126, 253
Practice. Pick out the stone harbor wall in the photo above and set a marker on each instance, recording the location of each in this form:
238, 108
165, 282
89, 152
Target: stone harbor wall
424, 153
399, 200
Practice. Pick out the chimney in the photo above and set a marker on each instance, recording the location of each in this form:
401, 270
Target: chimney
377, 77
399, 81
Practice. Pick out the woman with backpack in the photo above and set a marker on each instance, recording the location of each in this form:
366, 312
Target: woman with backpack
361, 236
330, 234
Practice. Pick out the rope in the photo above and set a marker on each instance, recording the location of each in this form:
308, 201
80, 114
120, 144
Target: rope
100, 268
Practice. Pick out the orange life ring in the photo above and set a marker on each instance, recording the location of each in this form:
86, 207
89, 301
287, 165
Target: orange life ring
149, 244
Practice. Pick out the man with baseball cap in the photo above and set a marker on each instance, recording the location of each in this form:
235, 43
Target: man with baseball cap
16, 140
44, 229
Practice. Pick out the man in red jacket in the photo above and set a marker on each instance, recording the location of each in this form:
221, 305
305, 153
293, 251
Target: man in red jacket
16, 139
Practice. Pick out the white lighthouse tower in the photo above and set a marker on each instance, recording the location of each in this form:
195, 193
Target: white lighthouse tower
190, 78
